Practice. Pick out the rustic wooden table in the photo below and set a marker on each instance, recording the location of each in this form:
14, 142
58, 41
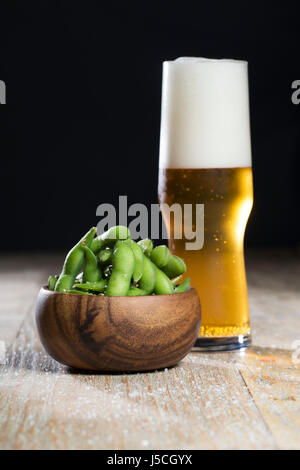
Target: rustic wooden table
247, 399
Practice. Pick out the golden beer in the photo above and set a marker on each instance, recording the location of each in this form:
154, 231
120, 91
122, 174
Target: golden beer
217, 270
205, 158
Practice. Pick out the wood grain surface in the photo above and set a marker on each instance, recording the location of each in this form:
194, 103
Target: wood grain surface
115, 334
246, 399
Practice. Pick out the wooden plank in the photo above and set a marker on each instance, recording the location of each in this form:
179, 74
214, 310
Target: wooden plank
195, 405
274, 382
244, 399
268, 369
20, 279
274, 297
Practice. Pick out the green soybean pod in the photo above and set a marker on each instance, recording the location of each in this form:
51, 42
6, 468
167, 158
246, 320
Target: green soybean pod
75, 291
123, 264
146, 245
184, 287
174, 267
136, 292
175, 280
105, 256
97, 286
139, 259
160, 255
147, 281
109, 238
96, 245
52, 281
92, 271
163, 285
73, 262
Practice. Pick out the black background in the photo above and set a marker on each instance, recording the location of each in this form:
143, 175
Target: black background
81, 124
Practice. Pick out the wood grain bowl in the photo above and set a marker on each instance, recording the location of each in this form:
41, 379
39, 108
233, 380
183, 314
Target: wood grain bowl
117, 334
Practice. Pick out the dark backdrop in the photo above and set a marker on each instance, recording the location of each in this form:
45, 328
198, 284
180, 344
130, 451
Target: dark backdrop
81, 124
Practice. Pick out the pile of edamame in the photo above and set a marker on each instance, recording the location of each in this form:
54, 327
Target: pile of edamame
113, 264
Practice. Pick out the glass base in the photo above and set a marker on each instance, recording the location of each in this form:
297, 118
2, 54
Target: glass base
225, 343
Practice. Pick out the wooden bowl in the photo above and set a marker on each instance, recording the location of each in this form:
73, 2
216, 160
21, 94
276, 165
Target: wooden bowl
118, 333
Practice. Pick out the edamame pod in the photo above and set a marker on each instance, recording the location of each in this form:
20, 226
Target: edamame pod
105, 256
129, 268
73, 262
75, 291
174, 267
98, 286
52, 281
136, 292
160, 256
92, 271
108, 238
139, 259
163, 285
175, 280
184, 287
146, 245
147, 281
123, 264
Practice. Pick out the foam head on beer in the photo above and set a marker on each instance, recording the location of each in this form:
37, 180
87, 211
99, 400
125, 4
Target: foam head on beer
205, 114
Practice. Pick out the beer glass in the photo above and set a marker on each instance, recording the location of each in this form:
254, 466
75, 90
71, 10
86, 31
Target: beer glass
205, 158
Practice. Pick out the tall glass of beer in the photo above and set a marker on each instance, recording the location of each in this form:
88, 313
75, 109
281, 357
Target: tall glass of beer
205, 161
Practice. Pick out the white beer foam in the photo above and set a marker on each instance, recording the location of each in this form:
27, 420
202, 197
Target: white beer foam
205, 114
